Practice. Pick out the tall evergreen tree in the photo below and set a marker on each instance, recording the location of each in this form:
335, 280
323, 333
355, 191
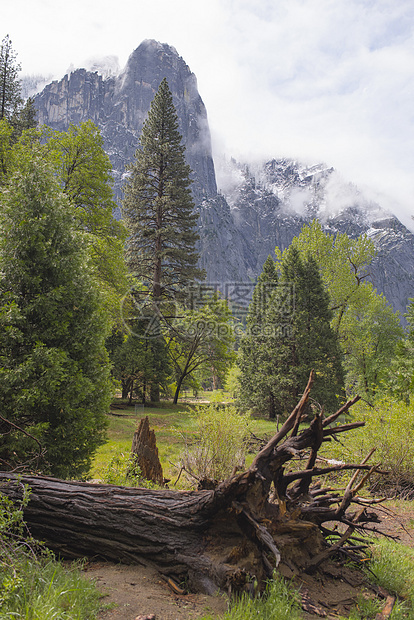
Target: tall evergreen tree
54, 370
158, 210
302, 340
158, 207
294, 337
10, 87
255, 390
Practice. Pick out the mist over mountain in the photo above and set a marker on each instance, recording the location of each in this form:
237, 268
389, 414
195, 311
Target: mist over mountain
257, 206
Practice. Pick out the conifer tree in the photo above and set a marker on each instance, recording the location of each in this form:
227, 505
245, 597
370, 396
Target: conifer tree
54, 369
10, 88
303, 339
295, 337
255, 390
158, 210
158, 207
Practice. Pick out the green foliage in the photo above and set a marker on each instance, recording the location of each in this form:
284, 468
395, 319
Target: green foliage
50, 591
371, 331
158, 206
33, 584
367, 328
255, 389
54, 372
288, 340
217, 445
132, 361
201, 340
280, 601
83, 171
389, 427
399, 377
10, 88
232, 382
123, 470
342, 261
392, 567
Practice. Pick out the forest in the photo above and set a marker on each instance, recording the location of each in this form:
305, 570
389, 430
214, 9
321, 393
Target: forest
99, 315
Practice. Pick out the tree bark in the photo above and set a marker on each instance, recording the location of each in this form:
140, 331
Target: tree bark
144, 447
213, 539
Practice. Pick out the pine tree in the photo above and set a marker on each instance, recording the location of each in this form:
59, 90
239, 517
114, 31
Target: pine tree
255, 390
288, 339
54, 370
158, 208
302, 339
10, 87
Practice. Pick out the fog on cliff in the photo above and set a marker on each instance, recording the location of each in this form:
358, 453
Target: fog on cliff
314, 80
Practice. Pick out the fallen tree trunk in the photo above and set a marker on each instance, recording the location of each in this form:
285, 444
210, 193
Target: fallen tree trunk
221, 538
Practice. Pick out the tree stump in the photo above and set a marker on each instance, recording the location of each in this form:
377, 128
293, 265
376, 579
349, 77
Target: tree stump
144, 448
265, 519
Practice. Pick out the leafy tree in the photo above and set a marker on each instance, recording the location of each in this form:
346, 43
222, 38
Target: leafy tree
159, 213
371, 332
10, 87
255, 389
343, 263
399, 374
201, 339
84, 173
367, 327
131, 359
54, 370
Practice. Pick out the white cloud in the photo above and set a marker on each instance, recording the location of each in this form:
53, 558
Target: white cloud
322, 80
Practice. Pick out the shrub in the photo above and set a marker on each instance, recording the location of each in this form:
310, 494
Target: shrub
389, 427
123, 470
33, 584
217, 445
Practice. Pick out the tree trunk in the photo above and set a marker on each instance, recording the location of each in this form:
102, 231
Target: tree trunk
223, 538
144, 447
177, 390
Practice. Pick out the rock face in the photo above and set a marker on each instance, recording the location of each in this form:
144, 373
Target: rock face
267, 206
259, 207
119, 104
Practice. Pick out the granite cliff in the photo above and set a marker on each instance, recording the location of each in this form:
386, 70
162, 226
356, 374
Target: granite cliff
119, 104
258, 207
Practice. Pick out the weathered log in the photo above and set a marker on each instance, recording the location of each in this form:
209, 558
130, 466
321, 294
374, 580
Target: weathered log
144, 448
220, 538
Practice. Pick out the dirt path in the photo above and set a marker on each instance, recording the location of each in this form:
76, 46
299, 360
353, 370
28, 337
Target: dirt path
133, 591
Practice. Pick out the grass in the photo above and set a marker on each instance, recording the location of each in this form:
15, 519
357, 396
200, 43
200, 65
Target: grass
167, 422
280, 601
171, 424
47, 590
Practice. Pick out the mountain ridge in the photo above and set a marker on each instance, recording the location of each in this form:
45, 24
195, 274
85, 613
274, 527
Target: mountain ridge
259, 206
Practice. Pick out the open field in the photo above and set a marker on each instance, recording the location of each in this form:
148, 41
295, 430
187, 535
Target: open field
172, 425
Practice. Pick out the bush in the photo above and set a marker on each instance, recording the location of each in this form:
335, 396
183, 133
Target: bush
217, 445
123, 470
389, 427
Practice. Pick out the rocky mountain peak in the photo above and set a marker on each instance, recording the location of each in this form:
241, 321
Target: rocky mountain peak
118, 105
260, 206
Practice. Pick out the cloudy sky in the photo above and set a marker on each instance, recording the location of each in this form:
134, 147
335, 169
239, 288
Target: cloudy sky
316, 80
